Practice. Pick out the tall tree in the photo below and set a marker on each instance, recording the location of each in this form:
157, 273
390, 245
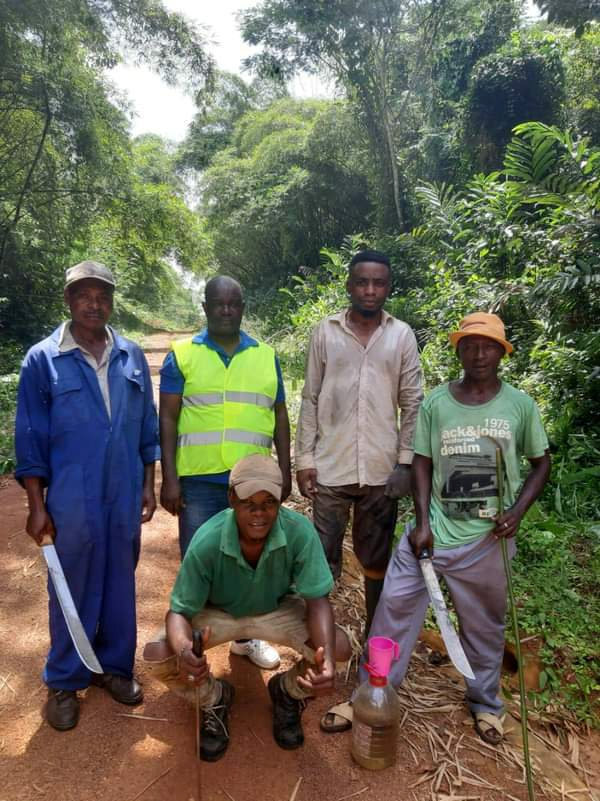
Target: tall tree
63, 151
525, 241
521, 82
355, 41
572, 13
381, 52
292, 181
106, 28
228, 99
582, 66
63, 142
148, 229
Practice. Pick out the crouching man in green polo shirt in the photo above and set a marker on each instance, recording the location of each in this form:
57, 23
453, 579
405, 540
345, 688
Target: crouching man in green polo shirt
257, 570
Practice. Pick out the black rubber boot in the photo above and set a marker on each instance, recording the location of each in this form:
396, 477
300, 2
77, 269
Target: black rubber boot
373, 589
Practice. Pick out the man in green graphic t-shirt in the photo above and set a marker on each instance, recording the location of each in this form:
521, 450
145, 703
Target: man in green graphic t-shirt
455, 492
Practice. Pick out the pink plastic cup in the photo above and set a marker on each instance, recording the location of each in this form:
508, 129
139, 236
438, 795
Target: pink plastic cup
382, 652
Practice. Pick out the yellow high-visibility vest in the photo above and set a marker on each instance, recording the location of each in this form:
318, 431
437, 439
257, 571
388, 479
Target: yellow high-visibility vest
226, 412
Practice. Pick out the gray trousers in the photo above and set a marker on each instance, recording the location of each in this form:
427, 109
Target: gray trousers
476, 580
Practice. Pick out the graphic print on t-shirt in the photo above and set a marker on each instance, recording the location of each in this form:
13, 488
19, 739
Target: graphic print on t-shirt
468, 468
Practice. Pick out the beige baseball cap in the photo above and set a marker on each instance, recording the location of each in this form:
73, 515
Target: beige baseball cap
256, 473
89, 269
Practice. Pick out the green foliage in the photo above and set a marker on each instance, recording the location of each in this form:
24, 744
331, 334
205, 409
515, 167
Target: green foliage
572, 13
229, 99
154, 163
289, 184
522, 81
582, 64
65, 156
142, 233
479, 32
557, 575
8, 405
62, 145
402, 65
176, 311
153, 35
524, 242
11, 355
313, 296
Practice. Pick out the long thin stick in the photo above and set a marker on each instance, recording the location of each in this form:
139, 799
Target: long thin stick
352, 795
295, 790
139, 717
515, 627
149, 785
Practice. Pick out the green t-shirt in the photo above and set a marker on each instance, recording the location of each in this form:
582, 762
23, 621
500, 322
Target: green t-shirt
214, 571
457, 437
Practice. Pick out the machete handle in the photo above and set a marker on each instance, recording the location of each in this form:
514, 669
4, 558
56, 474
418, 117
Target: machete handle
46, 540
197, 643
424, 553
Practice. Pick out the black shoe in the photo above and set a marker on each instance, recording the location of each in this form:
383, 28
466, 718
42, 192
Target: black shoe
287, 711
62, 709
214, 730
125, 691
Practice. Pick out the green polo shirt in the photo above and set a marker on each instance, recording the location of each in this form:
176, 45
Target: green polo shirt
214, 571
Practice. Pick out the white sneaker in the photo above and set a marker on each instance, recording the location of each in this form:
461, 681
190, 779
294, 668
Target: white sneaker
257, 651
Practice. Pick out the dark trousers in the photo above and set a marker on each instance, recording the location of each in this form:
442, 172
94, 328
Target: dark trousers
203, 499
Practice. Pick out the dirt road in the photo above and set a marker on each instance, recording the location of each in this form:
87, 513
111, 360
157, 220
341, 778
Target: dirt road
147, 753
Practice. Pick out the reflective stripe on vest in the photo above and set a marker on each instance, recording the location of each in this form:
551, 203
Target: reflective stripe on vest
229, 435
226, 412
208, 398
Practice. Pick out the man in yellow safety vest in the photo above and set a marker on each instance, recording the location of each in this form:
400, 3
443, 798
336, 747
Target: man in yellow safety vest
221, 398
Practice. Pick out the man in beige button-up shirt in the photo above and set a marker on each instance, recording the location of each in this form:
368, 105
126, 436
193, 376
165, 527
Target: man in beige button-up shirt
362, 366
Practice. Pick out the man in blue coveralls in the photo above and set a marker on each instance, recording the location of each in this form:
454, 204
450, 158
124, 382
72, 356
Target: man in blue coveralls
86, 442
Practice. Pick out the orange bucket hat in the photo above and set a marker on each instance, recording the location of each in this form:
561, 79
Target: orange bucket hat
484, 325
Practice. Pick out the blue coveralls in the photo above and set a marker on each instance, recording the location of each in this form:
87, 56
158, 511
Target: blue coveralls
93, 467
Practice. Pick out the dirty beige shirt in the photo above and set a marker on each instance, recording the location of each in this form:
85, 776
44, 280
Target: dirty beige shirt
348, 426
67, 342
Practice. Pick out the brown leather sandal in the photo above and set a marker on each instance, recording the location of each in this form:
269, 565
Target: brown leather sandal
337, 719
489, 727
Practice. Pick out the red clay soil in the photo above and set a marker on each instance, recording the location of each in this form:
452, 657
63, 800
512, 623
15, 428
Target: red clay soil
112, 756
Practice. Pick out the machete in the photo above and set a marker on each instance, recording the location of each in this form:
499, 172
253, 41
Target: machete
65, 599
449, 635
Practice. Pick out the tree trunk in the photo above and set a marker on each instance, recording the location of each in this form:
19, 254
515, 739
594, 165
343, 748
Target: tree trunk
393, 164
10, 226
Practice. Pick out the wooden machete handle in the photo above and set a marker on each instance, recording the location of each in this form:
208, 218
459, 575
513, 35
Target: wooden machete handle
197, 643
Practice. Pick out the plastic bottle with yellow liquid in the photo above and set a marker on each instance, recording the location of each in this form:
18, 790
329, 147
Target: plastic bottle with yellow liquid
376, 710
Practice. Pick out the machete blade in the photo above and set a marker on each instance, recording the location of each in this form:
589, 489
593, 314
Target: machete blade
65, 599
449, 635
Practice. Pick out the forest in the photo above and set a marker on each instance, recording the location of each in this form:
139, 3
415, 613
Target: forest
462, 138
